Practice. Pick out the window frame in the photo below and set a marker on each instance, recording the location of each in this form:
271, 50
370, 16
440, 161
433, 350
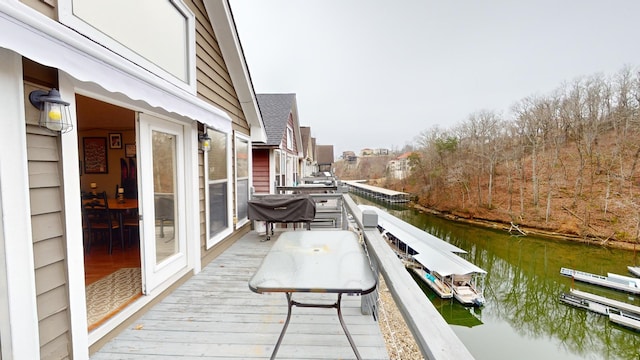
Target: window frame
68, 18
239, 137
289, 137
216, 238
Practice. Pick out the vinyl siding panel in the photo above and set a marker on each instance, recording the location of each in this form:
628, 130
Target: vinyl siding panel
49, 225
57, 348
48, 243
49, 305
214, 85
47, 253
50, 333
261, 176
296, 131
49, 277
213, 80
44, 174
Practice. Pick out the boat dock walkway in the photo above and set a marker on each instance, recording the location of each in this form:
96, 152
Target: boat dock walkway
611, 281
619, 312
390, 196
635, 270
600, 304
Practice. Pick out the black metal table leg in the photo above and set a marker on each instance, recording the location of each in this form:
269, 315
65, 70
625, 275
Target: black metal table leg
344, 327
284, 328
291, 303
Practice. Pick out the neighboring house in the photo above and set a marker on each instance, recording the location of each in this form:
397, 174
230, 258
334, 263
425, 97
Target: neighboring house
366, 152
325, 158
151, 83
350, 157
276, 161
308, 164
399, 168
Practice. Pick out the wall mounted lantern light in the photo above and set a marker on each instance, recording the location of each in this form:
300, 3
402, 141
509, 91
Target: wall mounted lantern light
205, 141
54, 112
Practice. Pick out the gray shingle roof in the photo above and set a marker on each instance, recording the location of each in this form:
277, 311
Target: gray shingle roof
275, 110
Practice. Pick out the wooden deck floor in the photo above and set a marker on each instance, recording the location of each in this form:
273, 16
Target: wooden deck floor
214, 315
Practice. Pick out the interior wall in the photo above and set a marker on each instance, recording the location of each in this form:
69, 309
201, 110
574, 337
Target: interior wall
97, 119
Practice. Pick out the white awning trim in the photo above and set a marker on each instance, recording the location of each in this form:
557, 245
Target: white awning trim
50, 43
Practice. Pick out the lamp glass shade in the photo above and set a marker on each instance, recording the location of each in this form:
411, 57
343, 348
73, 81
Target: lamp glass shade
54, 112
205, 143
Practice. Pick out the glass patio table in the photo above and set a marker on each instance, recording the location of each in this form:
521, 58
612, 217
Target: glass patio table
315, 262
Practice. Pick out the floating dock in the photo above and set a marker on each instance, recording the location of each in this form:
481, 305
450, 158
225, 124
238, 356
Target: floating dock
390, 196
611, 281
619, 312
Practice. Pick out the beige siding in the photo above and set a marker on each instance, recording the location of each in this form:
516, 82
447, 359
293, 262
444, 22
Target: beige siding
46, 7
48, 243
215, 86
213, 80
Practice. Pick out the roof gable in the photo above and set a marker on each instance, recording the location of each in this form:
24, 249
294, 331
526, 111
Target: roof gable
275, 110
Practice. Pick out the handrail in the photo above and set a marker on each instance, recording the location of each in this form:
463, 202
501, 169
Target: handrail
432, 334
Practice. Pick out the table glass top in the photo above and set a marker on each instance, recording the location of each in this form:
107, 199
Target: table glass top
315, 261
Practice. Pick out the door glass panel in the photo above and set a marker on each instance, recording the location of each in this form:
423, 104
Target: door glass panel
243, 198
164, 188
217, 204
217, 177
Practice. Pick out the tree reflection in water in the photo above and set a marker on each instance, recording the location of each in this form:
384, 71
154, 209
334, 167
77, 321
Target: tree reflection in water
522, 290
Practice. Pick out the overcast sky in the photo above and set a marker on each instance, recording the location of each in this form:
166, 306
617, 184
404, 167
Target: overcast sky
375, 73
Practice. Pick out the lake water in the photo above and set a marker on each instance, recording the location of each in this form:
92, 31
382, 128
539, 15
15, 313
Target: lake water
523, 317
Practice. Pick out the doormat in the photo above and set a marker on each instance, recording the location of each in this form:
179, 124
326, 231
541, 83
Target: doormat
112, 293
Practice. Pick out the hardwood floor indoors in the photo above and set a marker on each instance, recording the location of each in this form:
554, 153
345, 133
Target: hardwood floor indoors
98, 263
112, 280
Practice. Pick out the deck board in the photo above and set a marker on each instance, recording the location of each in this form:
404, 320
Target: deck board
214, 315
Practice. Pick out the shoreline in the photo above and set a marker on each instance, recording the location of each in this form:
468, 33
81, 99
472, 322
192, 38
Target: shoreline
616, 244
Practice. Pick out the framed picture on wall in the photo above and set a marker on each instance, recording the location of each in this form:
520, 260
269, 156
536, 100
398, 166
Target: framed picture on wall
95, 155
115, 141
130, 150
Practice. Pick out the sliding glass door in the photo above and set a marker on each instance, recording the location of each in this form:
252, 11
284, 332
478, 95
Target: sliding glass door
163, 201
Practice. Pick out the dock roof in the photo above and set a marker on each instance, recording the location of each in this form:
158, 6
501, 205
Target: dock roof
433, 252
374, 188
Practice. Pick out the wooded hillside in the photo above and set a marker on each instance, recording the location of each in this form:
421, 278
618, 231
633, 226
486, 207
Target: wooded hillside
565, 162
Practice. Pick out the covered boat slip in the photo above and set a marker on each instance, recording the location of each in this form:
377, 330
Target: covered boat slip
415, 238
436, 257
390, 196
455, 272
215, 315
434, 280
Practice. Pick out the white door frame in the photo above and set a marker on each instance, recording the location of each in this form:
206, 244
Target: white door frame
155, 273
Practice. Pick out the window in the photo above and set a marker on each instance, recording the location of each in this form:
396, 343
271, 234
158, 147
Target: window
289, 138
242, 179
144, 31
276, 162
218, 189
